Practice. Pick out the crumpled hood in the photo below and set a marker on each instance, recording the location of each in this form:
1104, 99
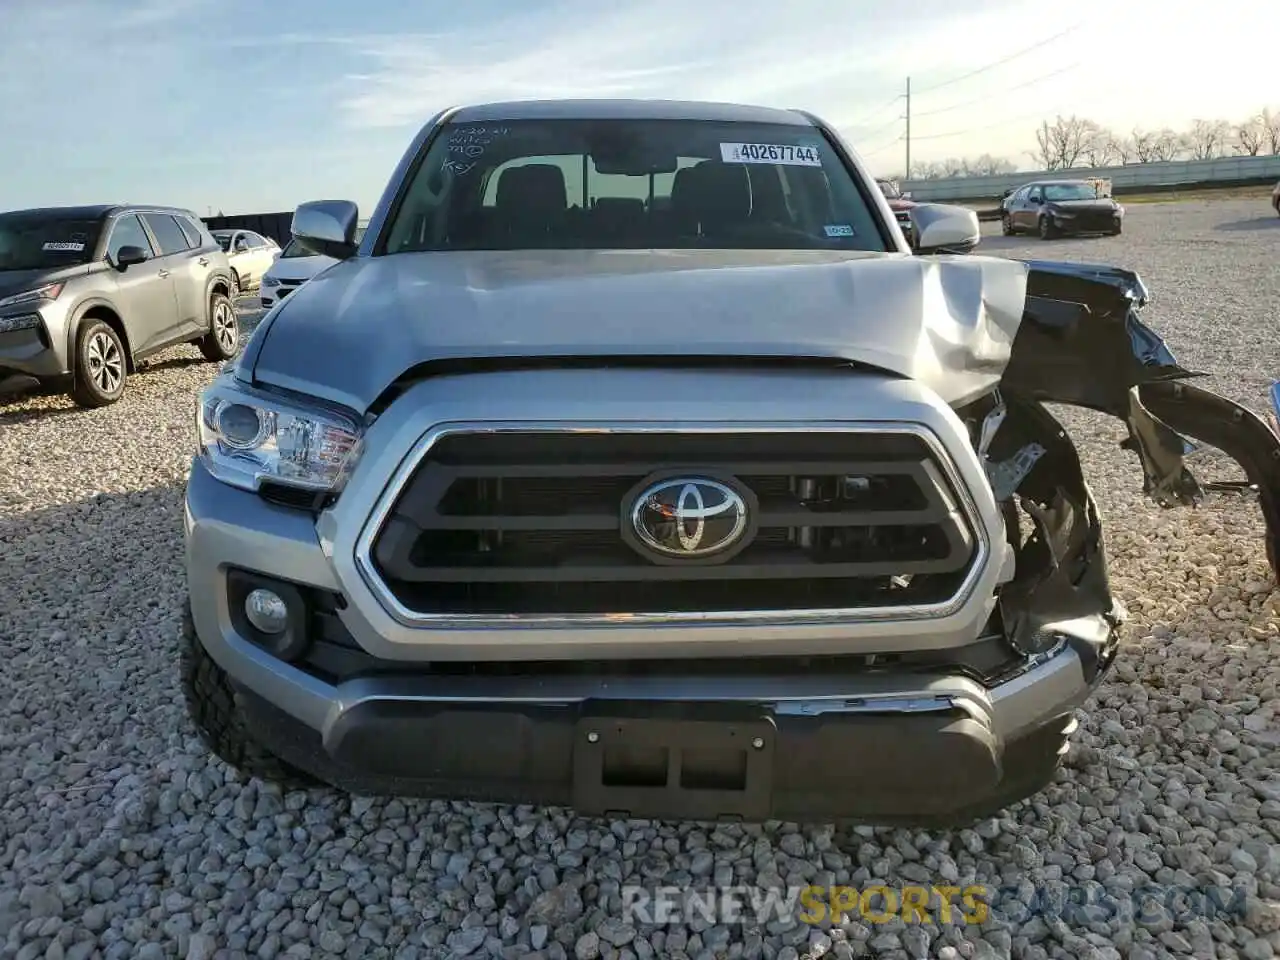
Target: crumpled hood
947, 322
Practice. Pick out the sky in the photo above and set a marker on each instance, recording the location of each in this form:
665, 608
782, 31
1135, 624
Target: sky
244, 106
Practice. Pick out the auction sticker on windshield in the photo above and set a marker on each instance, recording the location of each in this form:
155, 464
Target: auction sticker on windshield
784, 153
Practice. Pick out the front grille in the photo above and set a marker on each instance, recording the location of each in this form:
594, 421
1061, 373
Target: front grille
538, 523
1091, 223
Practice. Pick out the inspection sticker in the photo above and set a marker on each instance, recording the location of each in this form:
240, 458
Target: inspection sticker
785, 153
838, 230
63, 245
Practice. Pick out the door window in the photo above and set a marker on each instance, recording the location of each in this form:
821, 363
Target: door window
167, 233
128, 232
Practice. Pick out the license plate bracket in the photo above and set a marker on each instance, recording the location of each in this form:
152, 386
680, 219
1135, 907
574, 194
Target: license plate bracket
674, 767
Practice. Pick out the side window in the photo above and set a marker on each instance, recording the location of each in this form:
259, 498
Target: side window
1034, 194
255, 241
195, 237
128, 232
167, 233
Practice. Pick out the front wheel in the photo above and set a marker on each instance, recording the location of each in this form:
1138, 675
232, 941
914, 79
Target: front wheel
1047, 230
211, 706
223, 339
99, 366
1006, 225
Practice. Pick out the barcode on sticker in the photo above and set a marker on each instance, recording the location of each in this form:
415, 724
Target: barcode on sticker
65, 246
784, 153
838, 230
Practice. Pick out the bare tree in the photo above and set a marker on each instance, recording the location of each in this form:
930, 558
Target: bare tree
926, 170
1271, 126
1206, 139
1144, 145
1166, 145
1097, 144
989, 166
1123, 149
1250, 136
1060, 144
954, 167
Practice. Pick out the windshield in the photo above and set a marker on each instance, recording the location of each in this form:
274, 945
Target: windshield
31, 241
631, 184
294, 251
1070, 191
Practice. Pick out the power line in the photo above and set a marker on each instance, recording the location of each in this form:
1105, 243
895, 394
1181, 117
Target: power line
1014, 89
874, 113
1037, 115
880, 149
1002, 62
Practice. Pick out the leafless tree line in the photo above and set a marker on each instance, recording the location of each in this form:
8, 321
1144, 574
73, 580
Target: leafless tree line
1067, 142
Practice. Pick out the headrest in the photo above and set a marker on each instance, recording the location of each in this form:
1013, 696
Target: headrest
714, 193
535, 186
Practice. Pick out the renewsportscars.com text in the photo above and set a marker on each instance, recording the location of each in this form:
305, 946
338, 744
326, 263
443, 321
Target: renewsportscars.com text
938, 904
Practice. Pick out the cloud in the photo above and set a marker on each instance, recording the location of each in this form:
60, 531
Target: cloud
744, 50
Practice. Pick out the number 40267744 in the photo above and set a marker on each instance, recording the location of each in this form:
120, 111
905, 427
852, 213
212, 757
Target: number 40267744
770, 153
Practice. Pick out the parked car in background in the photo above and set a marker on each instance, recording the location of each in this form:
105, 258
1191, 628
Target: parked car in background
294, 267
1056, 208
87, 292
250, 254
901, 204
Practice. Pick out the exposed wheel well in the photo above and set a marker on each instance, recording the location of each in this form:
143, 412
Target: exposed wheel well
111, 319
220, 286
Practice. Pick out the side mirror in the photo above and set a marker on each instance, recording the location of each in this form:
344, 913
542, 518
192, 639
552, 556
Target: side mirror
129, 256
327, 228
242, 246
1034, 200
944, 228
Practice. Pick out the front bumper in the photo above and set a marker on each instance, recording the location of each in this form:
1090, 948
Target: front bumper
921, 747
28, 346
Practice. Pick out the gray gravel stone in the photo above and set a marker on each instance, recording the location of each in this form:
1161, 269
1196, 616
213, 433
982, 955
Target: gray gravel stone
124, 829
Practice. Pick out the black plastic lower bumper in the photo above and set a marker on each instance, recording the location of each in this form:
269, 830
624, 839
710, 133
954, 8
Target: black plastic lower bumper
678, 761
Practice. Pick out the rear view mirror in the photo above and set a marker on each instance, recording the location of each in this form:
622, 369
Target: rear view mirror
327, 228
944, 228
129, 256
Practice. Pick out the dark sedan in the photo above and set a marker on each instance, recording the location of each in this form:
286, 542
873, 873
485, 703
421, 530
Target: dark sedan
1056, 208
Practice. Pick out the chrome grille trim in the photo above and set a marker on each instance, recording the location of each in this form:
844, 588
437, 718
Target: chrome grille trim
381, 512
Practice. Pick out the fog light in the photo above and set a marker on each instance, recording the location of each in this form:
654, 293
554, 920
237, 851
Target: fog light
266, 611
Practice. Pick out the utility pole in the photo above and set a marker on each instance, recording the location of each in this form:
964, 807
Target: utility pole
907, 174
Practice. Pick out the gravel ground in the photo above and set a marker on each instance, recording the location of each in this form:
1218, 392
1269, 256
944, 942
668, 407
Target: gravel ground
120, 838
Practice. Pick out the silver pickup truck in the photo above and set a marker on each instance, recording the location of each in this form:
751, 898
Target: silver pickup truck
633, 461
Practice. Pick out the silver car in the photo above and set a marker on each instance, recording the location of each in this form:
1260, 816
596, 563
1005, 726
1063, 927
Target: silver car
633, 461
87, 292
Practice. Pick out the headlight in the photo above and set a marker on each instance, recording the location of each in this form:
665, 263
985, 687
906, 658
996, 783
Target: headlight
49, 291
23, 321
246, 438
270, 282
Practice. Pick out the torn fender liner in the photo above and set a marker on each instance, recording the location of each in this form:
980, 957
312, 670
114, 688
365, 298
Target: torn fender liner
1081, 343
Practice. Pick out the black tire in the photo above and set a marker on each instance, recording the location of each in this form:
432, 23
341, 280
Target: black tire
1116, 230
1047, 230
211, 705
236, 289
222, 342
1006, 225
100, 365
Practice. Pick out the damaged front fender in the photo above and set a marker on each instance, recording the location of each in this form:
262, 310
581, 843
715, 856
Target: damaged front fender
1082, 343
